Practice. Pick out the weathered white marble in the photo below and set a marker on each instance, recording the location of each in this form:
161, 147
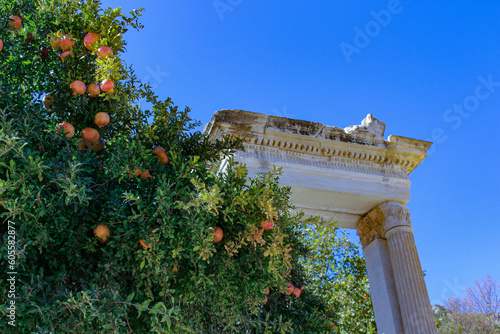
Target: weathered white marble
369, 124
389, 223
383, 288
416, 309
332, 173
359, 180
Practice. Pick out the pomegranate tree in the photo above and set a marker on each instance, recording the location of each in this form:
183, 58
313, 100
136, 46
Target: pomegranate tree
82, 204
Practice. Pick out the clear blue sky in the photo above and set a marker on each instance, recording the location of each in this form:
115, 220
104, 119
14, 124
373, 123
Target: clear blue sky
422, 70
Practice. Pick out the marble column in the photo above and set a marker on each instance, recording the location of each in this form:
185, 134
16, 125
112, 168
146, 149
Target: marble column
416, 310
379, 267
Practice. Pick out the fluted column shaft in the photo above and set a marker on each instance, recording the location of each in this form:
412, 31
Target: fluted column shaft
382, 286
416, 311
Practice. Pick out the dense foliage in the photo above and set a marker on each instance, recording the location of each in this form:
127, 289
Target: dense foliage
160, 270
336, 297
338, 272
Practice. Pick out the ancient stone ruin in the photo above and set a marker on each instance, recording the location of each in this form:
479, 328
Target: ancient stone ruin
358, 179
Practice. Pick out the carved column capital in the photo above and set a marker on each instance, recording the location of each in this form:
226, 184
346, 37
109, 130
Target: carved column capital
370, 229
394, 214
376, 223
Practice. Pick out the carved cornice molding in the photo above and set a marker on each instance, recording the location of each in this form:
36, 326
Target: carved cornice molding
320, 143
319, 151
346, 162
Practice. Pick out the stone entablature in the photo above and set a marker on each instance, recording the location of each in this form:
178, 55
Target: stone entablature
317, 141
336, 173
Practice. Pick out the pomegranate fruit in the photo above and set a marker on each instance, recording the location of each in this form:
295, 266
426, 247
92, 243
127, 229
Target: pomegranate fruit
29, 38
47, 101
96, 147
107, 85
163, 158
90, 39
55, 42
68, 129
102, 232
101, 119
145, 174
161, 155
93, 89
78, 87
218, 234
66, 53
83, 145
67, 43
267, 224
158, 149
104, 52
15, 24
90, 135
